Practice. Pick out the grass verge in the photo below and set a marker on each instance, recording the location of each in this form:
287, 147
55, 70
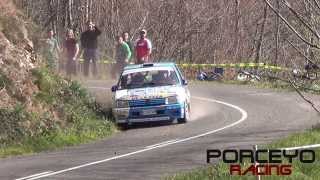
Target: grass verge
54, 140
300, 170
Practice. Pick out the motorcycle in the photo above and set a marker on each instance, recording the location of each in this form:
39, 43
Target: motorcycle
215, 75
247, 76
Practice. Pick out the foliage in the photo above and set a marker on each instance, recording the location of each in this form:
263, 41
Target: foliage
7, 24
182, 30
72, 117
75, 105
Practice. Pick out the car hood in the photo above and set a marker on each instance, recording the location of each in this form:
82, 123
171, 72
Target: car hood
149, 92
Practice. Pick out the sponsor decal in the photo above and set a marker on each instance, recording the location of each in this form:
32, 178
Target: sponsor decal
262, 161
148, 93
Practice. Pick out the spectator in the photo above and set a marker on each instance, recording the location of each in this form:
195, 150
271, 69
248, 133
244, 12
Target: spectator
71, 50
51, 50
123, 54
126, 39
143, 48
89, 45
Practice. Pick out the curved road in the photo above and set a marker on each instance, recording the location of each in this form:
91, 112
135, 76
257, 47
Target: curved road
223, 116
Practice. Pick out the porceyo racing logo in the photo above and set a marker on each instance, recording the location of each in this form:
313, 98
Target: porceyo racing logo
263, 161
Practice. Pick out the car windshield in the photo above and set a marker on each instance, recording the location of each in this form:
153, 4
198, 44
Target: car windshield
151, 78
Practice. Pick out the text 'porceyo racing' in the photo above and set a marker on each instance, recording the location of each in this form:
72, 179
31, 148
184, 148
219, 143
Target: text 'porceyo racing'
262, 161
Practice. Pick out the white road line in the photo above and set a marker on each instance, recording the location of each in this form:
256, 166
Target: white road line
165, 142
261, 94
244, 116
302, 147
35, 175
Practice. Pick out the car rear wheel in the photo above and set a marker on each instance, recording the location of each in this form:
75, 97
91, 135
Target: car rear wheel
186, 115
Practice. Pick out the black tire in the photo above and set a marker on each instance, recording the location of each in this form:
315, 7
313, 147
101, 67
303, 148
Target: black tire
186, 115
123, 126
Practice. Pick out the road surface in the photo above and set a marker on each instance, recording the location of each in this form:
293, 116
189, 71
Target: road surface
223, 116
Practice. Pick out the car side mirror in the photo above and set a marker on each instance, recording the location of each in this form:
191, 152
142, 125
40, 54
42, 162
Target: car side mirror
184, 82
114, 88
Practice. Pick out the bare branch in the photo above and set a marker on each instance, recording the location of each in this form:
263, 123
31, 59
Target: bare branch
317, 4
299, 51
300, 19
303, 97
299, 92
290, 26
141, 25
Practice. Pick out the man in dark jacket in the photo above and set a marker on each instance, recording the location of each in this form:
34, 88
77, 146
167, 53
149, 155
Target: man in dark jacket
89, 45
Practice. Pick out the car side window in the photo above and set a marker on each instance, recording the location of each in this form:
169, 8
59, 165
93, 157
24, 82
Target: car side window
179, 73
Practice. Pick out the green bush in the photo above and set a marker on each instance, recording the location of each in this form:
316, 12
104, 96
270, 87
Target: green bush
17, 123
73, 102
71, 117
10, 124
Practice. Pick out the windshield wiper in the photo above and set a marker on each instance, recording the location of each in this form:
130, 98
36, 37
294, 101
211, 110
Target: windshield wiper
162, 84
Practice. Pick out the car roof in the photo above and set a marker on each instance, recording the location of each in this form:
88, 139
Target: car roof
147, 65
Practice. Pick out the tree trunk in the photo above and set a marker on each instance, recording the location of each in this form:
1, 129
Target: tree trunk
87, 10
70, 19
236, 33
90, 11
277, 35
259, 49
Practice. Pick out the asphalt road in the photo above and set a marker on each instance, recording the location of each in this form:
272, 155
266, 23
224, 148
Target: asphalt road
223, 116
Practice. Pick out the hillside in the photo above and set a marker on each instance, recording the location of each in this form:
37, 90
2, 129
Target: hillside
37, 104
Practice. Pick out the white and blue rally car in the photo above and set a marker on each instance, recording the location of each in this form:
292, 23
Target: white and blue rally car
151, 92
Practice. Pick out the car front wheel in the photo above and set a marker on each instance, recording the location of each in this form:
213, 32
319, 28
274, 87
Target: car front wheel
186, 114
123, 126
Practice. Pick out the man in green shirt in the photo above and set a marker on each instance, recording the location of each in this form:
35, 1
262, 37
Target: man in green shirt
126, 39
122, 56
51, 50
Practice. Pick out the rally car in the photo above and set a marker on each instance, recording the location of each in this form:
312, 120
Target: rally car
151, 92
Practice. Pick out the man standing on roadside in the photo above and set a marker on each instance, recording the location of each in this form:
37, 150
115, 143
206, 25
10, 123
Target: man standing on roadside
71, 50
51, 51
126, 39
143, 48
89, 45
123, 54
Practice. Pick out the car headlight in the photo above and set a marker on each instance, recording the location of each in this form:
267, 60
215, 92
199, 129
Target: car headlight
121, 113
122, 104
172, 100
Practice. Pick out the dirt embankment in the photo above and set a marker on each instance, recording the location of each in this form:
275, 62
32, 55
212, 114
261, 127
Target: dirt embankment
15, 59
17, 82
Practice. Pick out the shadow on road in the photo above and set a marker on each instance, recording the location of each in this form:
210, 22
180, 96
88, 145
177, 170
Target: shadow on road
146, 125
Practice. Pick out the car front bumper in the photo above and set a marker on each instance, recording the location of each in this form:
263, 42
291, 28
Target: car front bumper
158, 113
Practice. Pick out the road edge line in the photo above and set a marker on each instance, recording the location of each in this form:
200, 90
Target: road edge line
244, 116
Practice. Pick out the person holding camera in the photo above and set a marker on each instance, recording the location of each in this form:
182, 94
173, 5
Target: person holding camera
89, 45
